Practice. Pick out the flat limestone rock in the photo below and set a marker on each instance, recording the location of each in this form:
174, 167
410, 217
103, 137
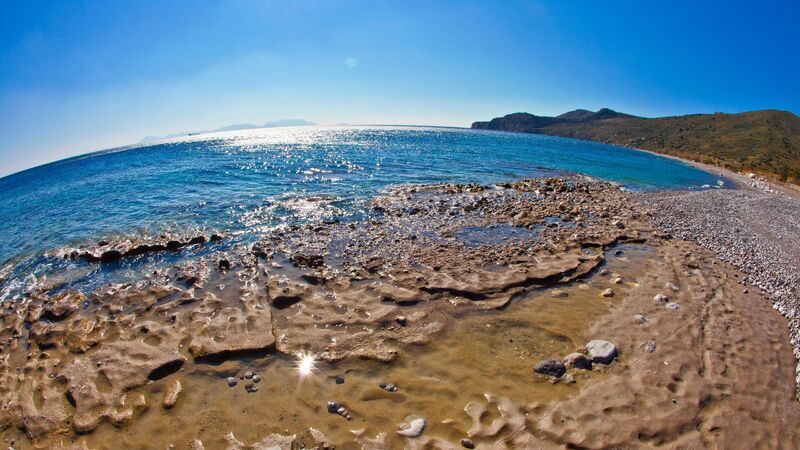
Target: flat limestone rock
233, 330
97, 383
272, 442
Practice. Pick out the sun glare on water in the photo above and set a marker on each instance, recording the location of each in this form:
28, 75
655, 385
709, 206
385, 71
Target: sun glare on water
305, 364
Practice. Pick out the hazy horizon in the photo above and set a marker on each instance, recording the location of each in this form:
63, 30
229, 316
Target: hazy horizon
89, 76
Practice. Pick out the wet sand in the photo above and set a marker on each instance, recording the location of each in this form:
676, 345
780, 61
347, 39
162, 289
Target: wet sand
452, 294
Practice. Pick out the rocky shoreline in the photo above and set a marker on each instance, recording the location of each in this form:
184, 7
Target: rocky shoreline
606, 336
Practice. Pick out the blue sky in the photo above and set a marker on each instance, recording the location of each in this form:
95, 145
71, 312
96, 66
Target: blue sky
86, 75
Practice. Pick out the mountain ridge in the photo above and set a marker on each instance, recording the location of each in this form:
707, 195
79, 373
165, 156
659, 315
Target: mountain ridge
234, 127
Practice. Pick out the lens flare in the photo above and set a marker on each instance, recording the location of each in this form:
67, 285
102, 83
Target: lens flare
305, 364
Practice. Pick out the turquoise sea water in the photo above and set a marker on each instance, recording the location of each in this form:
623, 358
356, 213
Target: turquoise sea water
248, 181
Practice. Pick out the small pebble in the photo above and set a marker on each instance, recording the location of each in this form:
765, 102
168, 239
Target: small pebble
401, 320
335, 408
607, 293
618, 280
232, 381
247, 375
389, 387
603, 271
619, 253
339, 379
648, 346
661, 298
640, 318
412, 428
251, 388
673, 306
256, 378
467, 443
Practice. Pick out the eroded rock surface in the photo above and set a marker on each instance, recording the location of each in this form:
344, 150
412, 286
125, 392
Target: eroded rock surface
423, 256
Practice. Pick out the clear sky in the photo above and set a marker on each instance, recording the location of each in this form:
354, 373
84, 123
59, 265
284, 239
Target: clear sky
77, 76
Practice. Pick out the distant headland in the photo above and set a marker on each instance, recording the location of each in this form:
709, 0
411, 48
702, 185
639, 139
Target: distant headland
766, 142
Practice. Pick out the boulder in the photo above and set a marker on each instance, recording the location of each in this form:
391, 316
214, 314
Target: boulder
550, 367
578, 361
601, 352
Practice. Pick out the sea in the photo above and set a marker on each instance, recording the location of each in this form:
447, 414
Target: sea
247, 183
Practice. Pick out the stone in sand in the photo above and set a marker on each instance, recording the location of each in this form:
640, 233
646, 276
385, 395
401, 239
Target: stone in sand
467, 443
602, 352
558, 293
648, 346
550, 367
607, 293
322, 441
388, 387
618, 280
577, 361
171, 394
671, 286
641, 318
413, 427
661, 298
673, 306
335, 408
232, 381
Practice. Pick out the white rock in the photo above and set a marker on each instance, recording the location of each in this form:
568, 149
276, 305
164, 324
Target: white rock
602, 352
661, 298
412, 428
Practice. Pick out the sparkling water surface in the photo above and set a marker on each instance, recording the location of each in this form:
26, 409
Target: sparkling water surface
246, 182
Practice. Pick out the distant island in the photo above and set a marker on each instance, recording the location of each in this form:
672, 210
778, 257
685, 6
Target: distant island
765, 142
235, 127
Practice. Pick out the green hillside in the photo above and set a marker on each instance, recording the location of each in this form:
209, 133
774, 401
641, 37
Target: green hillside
766, 142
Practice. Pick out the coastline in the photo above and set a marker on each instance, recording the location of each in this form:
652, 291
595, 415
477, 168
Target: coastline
740, 180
